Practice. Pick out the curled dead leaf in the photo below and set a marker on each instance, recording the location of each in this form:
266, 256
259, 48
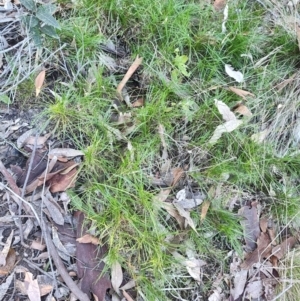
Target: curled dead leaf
39, 81
10, 262
88, 238
240, 92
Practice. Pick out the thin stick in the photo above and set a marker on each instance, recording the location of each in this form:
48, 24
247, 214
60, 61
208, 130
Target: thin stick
61, 267
128, 74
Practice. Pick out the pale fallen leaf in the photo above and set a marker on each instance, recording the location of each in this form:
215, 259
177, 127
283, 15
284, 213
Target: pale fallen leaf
128, 74
6, 248
188, 200
239, 282
32, 287
5, 286
162, 195
241, 92
38, 245
216, 295
204, 209
236, 75
39, 81
226, 127
116, 276
225, 111
261, 136
230, 125
39, 141
219, 4
65, 152
225, 13
21, 141
88, 238
194, 268
186, 215
128, 285
254, 290
242, 109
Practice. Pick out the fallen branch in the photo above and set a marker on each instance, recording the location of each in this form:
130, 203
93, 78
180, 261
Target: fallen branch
61, 267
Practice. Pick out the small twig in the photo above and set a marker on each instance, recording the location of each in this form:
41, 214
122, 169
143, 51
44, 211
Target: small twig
61, 267
27, 203
10, 181
43, 272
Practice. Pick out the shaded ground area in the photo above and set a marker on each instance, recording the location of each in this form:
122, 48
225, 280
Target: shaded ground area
149, 150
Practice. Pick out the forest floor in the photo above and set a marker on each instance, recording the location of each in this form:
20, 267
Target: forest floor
149, 150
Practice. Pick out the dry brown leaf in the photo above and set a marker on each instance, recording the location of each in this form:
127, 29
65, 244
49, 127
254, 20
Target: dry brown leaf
128, 74
284, 83
186, 215
10, 262
177, 173
219, 5
250, 224
6, 248
240, 92
62, 182
173, 212
162, 195
138, 103
116, 276
38, 245
242, 109
204, 209
263, 223
54, 209
39, 81
280, 250
262, 251
88, 238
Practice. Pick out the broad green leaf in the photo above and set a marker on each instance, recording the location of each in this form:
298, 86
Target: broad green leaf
5, 99
30, 21
44, 15
179, 62
49, 31
29, 4
50, 8
36, 36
